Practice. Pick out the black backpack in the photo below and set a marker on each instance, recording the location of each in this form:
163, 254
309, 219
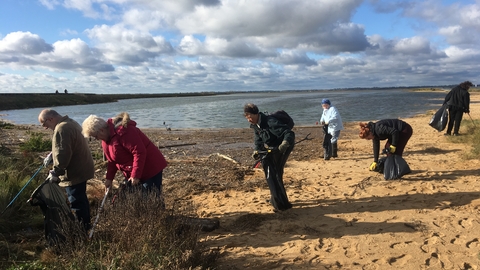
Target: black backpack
283, 117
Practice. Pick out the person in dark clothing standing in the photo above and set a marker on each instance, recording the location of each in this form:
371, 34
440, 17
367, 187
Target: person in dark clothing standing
276, 140
395, 131
458, 102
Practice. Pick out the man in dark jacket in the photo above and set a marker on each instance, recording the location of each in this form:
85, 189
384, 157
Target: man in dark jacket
458, 102
274, 141
395, 131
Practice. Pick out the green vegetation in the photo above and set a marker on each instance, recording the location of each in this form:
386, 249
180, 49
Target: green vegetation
470, 135
133, 233
36, 143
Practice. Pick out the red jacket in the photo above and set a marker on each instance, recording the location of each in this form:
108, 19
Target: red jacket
132, 152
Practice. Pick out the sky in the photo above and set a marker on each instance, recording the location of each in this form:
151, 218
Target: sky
179, 46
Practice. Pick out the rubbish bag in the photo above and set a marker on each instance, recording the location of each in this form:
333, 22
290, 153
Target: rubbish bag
395, 167
381, 165
440, 119
51, 199
326, 138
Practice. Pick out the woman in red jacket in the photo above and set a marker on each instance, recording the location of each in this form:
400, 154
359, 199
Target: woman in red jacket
127, 149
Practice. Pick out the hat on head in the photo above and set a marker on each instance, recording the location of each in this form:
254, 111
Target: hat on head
326, 101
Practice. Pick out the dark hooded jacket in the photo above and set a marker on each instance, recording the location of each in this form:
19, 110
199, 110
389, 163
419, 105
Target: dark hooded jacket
387, 129
131, 151
459, 98
271, 132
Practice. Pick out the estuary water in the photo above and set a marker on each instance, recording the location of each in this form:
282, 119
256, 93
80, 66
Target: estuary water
226, 110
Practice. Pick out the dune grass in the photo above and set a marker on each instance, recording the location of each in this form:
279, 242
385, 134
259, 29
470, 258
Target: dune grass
470, 135
135, 233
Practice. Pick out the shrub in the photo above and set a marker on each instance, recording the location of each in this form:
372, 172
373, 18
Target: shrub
36, 143
135, 233
471, 136
6, 125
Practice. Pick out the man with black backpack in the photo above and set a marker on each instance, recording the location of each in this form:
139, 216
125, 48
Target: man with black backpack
274, 141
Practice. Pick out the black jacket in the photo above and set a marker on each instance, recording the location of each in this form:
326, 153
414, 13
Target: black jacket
458, 97
387, 129
271, 132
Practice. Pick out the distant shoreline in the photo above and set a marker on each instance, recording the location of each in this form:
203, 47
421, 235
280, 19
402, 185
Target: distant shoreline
18, 101
44, 100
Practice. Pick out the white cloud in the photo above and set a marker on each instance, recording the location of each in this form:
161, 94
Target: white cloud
200, 45
132, 47
23, 43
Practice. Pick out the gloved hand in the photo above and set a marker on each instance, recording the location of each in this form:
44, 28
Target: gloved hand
256, 155
108, 183
392, 149
48, 160
283, 147
52, 177
373, 166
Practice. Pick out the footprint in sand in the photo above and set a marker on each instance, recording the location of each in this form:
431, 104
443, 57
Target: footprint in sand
325, 245
434, 261
465, 223
473, 244
399, 260
427, 246
400, 244
350, 251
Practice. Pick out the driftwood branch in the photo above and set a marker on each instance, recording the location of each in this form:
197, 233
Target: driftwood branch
225, 157
175, 145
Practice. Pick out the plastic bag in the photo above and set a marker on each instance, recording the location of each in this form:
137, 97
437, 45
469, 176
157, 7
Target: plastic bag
395, 167
326, 138
440, 119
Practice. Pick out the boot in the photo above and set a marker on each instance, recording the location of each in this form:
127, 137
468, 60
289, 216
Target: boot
327, 152
334, 150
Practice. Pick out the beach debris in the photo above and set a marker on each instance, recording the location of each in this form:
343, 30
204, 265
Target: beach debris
225, 157
175, 145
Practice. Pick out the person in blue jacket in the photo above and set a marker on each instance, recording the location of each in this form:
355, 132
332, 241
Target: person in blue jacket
395, 131
332, 119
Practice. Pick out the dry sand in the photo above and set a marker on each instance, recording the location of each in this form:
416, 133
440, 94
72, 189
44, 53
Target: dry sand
346, 217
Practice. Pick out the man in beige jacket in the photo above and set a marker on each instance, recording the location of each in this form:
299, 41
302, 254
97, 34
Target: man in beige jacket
72, 161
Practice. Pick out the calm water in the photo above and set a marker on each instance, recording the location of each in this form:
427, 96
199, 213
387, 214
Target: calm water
226, 111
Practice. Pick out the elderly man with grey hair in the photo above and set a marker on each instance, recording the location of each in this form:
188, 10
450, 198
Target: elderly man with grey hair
72, 161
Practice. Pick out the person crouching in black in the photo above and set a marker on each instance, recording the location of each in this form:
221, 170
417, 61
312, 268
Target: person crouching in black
274, 142
395, 131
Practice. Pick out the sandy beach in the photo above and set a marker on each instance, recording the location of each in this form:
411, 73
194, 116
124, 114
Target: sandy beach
343, 215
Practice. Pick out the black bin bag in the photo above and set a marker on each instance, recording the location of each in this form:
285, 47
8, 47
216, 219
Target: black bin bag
51, 199
440, 119
395, 167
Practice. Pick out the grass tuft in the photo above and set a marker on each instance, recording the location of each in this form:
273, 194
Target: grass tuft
36, 143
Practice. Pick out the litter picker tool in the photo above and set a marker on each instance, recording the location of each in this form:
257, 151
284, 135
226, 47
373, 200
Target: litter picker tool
472, 121
13, 200
100, 208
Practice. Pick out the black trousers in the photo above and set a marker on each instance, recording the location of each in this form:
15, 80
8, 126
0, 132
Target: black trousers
273, 165
455, 115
